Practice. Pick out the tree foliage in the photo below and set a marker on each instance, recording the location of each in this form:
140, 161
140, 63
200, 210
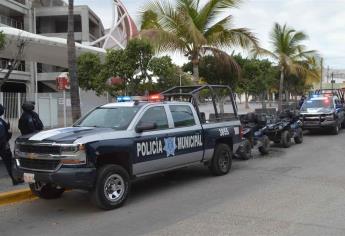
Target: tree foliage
193, 28
132, 65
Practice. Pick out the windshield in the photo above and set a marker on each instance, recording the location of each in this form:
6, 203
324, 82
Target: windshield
115, 117
319, 103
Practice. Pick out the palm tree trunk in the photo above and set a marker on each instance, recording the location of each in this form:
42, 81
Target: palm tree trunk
72, 65
195, 63
281, 88
246, 105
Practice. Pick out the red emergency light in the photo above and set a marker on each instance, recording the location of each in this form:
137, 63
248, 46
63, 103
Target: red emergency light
156, 98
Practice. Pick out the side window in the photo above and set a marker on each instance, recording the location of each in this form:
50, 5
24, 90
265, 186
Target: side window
182, 115
205, 105
157, 115
224, 104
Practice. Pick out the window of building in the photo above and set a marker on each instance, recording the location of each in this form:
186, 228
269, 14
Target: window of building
156, 115
182, 115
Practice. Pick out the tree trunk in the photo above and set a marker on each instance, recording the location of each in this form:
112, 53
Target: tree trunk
246, 105
72, 65
281, 88
263, 100
195, 62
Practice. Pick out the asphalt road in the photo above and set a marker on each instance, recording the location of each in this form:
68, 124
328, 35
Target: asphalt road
295, 191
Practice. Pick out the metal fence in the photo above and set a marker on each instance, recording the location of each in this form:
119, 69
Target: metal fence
54, 109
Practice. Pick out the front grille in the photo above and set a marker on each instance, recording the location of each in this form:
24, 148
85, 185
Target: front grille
35, 164
313, 118
39, 149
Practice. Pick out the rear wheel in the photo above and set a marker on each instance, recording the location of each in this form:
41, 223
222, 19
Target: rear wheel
299, 136
285, 139
112, 187
46, 191
264, 148
222, 160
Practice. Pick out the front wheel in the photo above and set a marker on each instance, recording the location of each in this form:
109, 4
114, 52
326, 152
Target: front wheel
46, 191
111, 188
335, 130
264, 148
222, 160
299, 136
285, 139
246, 151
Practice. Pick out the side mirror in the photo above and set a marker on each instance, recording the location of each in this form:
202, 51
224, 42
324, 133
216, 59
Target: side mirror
146, 126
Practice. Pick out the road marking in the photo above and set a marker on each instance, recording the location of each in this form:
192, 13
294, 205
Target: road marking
16, 196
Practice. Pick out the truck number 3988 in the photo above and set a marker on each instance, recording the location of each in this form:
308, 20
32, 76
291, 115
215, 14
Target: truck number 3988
224, 132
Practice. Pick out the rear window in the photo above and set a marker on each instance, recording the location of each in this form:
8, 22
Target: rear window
182, 115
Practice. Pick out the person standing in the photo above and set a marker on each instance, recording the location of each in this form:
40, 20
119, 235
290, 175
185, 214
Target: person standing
5, 150
29, 121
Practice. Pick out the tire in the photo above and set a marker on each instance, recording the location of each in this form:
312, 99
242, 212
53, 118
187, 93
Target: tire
221, 160
246, 152
111, 188
46, 191
264, 149
299, 138
285, 139
335, 130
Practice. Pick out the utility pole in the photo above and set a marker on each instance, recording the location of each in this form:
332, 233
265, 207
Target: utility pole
321, 77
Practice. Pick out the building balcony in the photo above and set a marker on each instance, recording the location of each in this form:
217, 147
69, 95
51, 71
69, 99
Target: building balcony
5, 20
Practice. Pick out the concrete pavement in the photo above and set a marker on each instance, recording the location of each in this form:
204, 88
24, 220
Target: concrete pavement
295, 191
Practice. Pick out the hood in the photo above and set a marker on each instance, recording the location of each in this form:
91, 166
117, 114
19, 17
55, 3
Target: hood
66, 135
317, 111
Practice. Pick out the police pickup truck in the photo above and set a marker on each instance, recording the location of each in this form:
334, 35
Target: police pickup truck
323, 111
117, 142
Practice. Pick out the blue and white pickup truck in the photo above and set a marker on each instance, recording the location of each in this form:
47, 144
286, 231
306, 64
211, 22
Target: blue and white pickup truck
117, 142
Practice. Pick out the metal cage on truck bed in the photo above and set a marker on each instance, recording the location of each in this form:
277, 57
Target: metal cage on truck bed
212, 102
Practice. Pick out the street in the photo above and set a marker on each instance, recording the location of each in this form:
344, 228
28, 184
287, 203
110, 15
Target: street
295, 191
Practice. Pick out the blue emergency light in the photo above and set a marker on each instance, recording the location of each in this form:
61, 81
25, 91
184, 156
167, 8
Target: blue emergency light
123, 99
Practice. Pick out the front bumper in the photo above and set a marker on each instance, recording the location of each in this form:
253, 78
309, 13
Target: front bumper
319, 125
65, 177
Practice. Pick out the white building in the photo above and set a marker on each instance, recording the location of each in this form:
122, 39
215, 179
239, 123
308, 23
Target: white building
49, 18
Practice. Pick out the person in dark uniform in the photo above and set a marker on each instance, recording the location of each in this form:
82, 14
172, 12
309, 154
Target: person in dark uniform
301, 101
29, 121
5, 150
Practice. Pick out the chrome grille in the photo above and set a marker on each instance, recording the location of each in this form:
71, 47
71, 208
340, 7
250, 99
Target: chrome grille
37, 164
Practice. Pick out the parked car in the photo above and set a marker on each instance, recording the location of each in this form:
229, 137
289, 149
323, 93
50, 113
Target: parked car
117, 142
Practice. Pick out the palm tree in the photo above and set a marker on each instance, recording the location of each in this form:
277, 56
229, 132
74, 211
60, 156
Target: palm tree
290, 53
193, 29
72, 65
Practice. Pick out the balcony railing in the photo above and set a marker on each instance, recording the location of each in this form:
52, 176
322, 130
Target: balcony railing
11, 22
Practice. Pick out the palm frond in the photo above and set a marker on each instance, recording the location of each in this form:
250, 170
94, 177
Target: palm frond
224, 59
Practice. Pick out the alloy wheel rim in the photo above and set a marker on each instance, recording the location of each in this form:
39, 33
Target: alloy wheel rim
224, 161
114, 187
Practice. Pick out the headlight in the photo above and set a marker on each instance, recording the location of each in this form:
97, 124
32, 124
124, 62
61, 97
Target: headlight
329, 117
73, 154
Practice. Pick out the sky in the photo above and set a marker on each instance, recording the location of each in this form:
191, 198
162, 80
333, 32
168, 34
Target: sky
322, 20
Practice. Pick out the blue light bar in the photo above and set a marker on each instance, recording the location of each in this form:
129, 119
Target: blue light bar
123, 98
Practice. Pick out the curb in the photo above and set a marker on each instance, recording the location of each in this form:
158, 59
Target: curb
16, 196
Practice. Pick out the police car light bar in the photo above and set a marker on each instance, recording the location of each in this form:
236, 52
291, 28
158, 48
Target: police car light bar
151, 98
156, 98
123, 99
